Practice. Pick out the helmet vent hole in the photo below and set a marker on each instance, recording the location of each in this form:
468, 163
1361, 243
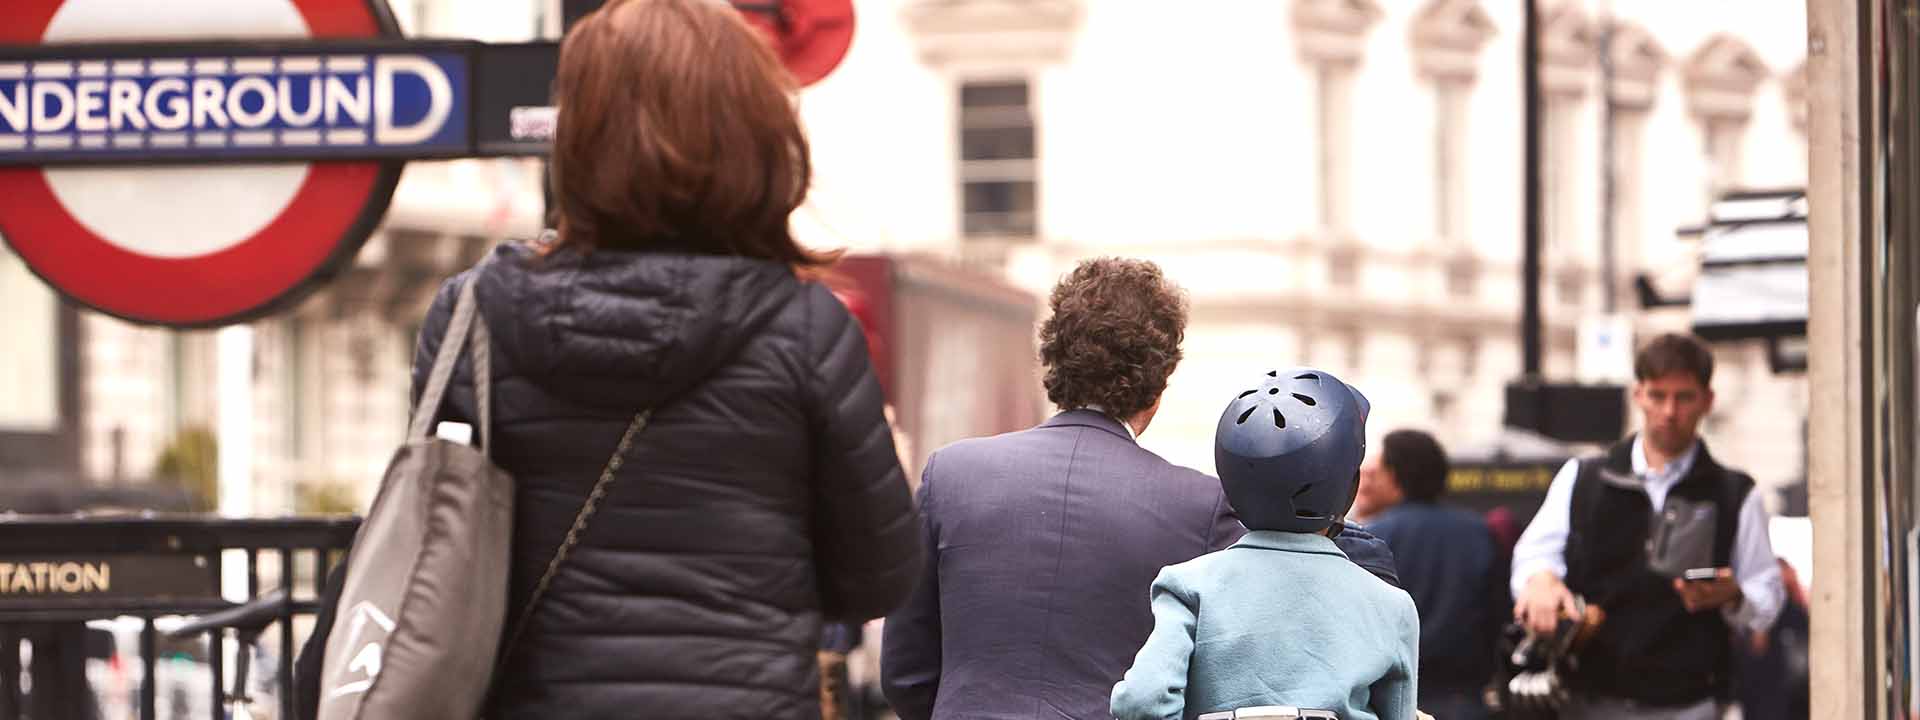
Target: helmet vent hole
1249, 392
1302, 398
1244, 416
1273, 391
1279, 421
1307, 376
1273, 373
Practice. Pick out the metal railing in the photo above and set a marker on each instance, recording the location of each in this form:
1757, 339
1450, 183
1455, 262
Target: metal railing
57, 573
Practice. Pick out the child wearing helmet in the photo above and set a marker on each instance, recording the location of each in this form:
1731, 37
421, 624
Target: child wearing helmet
1280, 618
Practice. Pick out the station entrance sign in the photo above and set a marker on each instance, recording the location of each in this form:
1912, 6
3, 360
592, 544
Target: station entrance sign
205, 162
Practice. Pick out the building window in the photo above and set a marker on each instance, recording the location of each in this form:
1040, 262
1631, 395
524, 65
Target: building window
1449, 161
1353, 347
1332, 38
29, 368
998, 181
1463, 275
1332, 102
1637, 62
1343, 266
1721, 78
1571, 287
1448, 37
1443, 405
1468, 348
1628, 128
1723, 138
1559, 166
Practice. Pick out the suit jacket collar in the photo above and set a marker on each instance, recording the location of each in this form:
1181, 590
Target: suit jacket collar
1290, 542
1089, 418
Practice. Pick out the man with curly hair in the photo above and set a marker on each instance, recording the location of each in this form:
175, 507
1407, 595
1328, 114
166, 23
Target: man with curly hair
1047, 540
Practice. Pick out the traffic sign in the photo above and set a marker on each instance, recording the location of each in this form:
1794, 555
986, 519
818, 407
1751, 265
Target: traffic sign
184, 246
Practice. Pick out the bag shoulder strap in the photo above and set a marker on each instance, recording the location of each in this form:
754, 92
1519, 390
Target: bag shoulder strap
466, 321
580, 521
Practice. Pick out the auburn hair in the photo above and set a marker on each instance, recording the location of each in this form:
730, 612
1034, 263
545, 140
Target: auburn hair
678, 130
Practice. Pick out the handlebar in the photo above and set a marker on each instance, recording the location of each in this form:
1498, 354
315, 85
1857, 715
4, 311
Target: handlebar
252, 616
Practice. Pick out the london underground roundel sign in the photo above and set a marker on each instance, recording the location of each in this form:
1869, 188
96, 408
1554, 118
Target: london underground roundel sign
115, 226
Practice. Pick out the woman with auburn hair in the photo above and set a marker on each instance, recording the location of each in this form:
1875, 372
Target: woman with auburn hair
762, 496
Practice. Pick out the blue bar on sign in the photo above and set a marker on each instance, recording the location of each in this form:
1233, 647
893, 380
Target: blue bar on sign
381, 104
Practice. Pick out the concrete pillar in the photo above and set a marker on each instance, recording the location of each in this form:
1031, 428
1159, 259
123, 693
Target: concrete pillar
1836, 484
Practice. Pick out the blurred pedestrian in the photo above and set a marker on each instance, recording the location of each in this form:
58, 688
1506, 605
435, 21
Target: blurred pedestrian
1665, 650
1048, 539
1451, 565
1281, 617
763, 496
1771, 669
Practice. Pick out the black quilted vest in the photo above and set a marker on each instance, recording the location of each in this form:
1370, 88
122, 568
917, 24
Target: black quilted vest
1650, 649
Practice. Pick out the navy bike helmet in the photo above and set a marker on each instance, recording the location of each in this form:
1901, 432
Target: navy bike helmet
1289, 451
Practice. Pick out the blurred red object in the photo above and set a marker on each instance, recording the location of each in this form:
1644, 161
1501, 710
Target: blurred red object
1505, 530
812, 36
856, 302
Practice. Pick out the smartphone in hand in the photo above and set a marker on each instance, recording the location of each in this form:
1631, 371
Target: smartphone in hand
1700, 574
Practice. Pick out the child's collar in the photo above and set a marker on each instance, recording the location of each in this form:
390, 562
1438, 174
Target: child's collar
1290, 542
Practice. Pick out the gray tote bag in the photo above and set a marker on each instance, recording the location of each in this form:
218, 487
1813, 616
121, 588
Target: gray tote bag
416, 633
425, 595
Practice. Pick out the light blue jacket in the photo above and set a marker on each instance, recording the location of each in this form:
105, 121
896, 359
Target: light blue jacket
1276, 619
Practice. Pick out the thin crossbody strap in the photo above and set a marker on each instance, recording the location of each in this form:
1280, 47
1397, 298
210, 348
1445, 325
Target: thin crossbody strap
573, 534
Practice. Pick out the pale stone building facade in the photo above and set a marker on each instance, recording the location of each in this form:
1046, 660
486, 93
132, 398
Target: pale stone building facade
1336, 182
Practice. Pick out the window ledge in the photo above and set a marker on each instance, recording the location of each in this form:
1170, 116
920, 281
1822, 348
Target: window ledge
1033, 32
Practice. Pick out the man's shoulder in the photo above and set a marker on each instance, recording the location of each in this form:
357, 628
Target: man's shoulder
1733, 479
986, 449
1017, 446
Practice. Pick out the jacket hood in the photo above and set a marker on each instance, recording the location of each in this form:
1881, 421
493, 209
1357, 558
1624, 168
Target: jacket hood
625, 330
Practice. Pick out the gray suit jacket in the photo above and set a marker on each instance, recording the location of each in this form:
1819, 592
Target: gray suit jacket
1045, 543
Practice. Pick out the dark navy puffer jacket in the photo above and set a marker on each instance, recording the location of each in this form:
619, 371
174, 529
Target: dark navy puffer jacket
764, 496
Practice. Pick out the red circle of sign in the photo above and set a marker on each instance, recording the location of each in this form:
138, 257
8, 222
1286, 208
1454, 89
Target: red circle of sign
322, 225
815, 36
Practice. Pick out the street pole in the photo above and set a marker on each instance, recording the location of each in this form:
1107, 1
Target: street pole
1530, 262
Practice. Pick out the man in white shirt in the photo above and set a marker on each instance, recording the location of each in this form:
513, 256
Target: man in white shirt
1663, 651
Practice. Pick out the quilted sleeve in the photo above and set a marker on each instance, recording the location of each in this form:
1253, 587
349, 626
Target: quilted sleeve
867, 545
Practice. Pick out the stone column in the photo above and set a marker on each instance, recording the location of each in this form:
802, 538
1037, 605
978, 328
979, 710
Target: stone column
1836, 482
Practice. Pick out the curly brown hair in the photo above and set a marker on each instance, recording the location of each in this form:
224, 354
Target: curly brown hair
1114, 336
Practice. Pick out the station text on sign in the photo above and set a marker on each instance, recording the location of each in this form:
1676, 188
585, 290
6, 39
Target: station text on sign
31, 578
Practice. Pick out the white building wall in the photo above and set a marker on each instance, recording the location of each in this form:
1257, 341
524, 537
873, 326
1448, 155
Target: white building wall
1187, 135
1184, 133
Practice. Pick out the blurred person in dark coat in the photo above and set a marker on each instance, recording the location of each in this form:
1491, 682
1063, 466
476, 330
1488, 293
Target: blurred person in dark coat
1771, 667
1045, 542
1451, 565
